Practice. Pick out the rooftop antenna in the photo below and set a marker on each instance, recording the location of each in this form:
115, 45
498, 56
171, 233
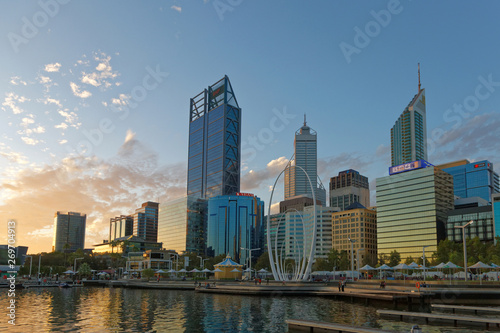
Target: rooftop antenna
419, 78
305, 122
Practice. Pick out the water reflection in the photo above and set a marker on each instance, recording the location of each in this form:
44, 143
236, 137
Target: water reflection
129, 310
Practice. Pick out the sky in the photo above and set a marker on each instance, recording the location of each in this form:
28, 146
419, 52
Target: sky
94, 95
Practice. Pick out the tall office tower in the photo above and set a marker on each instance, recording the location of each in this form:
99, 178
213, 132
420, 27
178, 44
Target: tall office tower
495, 202
146, 221
214, 142
473, 179
121, 226
412, 209
69, 228
235, 222
306, 157
347, 188
181, 225
409, 134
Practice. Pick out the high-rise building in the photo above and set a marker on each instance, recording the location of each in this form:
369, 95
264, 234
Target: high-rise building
482, 227
305, 157
121, 226
496, 214
69, 231
347, 188
146, 221
409, 133
235, 222
360, 225
297, 203
182, 225
214, 142
473, 179
412, 209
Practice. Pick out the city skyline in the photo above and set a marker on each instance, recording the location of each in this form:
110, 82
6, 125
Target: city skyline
95, 116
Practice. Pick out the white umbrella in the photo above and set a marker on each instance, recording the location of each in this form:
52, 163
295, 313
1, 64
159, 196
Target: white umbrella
449, 264
439, 266
69, 271
235, 271
194, 271
247, 270
172, 271
160, 271
367, 268
494, 265
401, 266
206, 270
263, 270
217, 270
182, 271
125, 273
480, 264
414, 265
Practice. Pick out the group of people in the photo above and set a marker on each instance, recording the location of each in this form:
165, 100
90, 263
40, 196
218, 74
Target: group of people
342, 284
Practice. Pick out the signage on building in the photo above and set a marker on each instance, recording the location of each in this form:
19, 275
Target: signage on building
217, 92
409, 166
244, 194
480, 165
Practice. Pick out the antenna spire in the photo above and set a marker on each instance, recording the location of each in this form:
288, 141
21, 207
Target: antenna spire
419, 78
305, 122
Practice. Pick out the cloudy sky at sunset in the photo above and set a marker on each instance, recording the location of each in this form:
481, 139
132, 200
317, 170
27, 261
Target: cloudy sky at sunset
94, 96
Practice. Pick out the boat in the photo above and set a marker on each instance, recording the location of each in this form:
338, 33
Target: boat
64, 285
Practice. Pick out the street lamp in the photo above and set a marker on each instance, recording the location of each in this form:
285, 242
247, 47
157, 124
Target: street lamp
31, 262
176, 260
423, 257
74, 267
201, 261
352, 255
465, 244
250, 256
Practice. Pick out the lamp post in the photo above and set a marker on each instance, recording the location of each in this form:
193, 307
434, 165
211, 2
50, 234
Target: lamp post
250, 257
31, 262
74, 267
201, 261
352, 255
39, 263
423, 257
465, 244
357, 256
176, 260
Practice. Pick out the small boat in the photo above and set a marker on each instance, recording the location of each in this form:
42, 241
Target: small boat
64, 285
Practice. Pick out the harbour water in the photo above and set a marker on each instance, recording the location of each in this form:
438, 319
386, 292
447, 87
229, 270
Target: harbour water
92, 309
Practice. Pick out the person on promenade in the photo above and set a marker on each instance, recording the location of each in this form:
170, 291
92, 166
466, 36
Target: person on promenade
343, 285
340, 285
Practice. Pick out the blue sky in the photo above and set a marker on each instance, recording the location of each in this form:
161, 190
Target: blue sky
73, 70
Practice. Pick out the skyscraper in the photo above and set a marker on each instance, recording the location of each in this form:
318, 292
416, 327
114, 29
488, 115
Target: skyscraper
306, 157
121, 226
69, 228
349, 187
146, 221
409, 133
214, 142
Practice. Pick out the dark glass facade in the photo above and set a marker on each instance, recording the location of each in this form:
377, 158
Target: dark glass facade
214, 142
496, 215
482, 226
234, 222
121, 226
69, 228
474, 180
146, 221
347, 188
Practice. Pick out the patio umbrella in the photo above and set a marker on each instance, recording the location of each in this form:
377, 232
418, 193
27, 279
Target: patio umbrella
402, 267
69, 271
480, 265
160, 271
494, 265
217, 270
367, 268
451, 265
194, 271
182, 271
247, 270
172, 271
384, 267
206, 270
235, 271
263, 270
439, 266
414, 265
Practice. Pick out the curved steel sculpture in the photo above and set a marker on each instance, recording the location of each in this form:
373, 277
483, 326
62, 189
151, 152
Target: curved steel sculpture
303, 266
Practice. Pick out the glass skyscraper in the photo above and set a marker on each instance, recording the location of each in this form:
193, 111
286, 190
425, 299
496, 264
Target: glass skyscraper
412, 211
214, 142
69, 228
121, 226
473, 179
496, 215
146, 221
409, 133
306, 157
235, 221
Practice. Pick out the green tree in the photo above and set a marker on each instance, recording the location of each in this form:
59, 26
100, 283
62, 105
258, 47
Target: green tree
394, 258
409, 260
214, 261
322, 265
263, 262
344, 261
148, 273
84, 270
383, 259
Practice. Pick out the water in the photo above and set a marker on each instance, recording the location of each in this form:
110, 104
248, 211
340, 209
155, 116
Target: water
138, 310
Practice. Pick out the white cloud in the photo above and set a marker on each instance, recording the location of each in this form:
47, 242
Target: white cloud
30, 141
122, 100
15, 157
49, 100
104, 73
62, 126
16, 80
71, 119
45, 232
76, 91
10, 101
177, 8
63, 141
130, 136
52, 67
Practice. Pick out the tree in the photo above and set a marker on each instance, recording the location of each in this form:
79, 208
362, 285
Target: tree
148, 273
113, 244
84, 270
322, 265
263, 262
214, 261
409, 260
394, 258
383, 259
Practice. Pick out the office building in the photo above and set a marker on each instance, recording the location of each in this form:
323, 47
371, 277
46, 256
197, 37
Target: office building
473, 179
146, 221
297, 203
360, 225
496, 214
409, 133
306, 157
69, 231
469, 202
347, 188
412, 209
482, 227
235, 222
125, 245
121, 226
214, 142
182, 225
